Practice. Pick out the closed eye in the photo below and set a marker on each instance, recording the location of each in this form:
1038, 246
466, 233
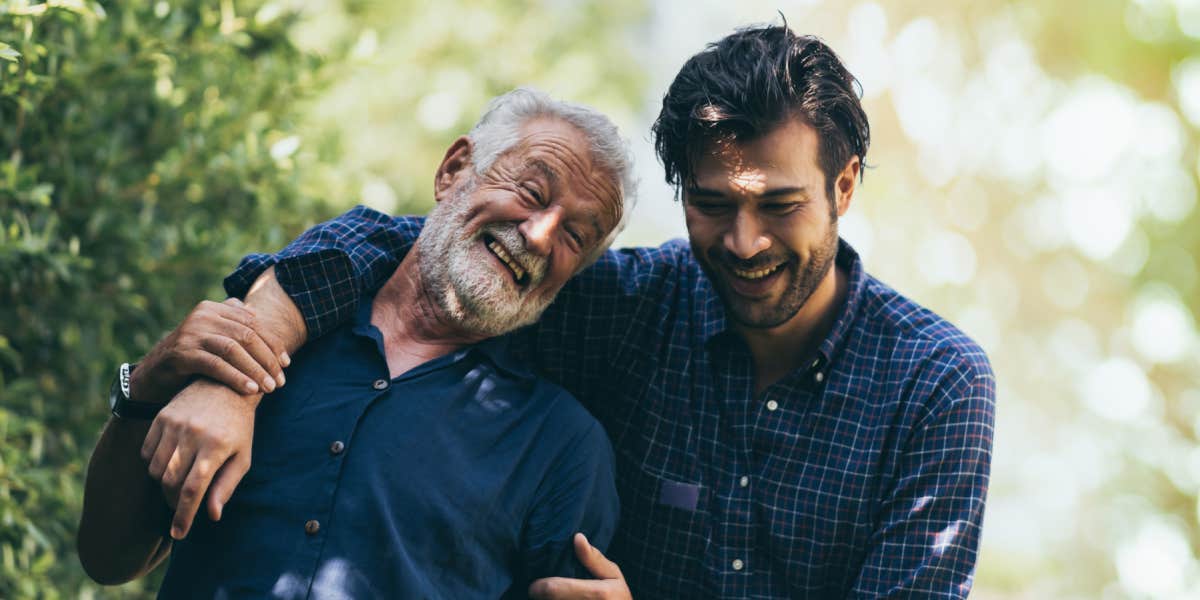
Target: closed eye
535, 195
781, 208
576, 239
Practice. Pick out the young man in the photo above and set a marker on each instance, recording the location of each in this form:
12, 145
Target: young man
411, 455
785, 424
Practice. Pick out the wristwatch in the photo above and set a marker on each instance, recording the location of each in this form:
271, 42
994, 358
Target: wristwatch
122, 406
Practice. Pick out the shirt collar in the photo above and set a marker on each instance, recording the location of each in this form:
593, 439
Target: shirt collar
495, 350
715, 323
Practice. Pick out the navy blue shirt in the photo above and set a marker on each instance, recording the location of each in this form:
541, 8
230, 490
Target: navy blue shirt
861, 474
465, 477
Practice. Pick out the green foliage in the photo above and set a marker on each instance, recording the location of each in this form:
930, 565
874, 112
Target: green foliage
135, 168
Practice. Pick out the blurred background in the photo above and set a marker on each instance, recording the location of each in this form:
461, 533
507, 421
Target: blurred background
1034, 180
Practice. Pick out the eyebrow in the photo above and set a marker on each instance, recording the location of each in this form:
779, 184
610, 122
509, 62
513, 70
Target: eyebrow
772, 193
597, 231
540, 166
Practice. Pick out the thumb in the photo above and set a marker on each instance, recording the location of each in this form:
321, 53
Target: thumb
594, 560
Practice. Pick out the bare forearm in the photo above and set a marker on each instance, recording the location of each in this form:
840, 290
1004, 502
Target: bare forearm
124, 513
277, 315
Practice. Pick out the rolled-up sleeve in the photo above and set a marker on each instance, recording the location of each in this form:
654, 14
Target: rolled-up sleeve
328, 268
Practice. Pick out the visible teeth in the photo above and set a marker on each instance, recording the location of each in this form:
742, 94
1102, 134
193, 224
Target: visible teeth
508, 260
757, 274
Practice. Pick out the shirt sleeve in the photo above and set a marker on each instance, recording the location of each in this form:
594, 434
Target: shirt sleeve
927, 539
329, 267
620, 303
579, 494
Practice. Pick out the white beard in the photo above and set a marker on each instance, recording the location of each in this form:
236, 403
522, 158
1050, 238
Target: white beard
462, 275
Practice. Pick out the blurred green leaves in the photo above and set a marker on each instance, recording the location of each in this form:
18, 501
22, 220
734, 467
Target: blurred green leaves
8, 53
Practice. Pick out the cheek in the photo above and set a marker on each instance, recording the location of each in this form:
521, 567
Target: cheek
703, 230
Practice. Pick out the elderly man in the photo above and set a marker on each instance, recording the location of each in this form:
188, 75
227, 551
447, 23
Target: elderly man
785, 424
410, 455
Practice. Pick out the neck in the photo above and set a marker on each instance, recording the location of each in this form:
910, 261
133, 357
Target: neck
415, 329
782, 349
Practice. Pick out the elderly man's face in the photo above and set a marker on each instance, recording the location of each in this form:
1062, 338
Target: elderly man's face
498, 246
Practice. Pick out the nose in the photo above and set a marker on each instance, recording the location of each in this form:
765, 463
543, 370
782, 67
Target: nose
746, 237
539, 230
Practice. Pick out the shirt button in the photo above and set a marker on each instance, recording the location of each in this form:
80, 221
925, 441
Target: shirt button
336, 447
312, 527
744, 481
772, 405
380, 384
738, 565
819, 377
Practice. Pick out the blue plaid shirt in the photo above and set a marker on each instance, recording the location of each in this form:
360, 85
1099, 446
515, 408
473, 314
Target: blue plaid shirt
862, 474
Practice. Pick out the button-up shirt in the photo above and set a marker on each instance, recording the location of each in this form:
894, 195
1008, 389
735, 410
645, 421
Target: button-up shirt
465, 477
862, 473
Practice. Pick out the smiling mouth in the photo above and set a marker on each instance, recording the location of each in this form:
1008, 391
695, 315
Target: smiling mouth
756, 274
518, 273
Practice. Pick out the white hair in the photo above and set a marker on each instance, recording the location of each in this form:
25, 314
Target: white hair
500, 128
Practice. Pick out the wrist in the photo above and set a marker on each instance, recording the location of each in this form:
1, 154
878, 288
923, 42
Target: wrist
146, 384
204, 384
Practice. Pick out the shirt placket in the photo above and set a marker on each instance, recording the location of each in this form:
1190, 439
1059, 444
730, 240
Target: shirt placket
731, 561
323, 519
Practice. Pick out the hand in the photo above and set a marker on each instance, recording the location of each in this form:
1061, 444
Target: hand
204, 435
609, 582
219, 340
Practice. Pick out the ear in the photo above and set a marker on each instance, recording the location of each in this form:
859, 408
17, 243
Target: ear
455, 163
847, 181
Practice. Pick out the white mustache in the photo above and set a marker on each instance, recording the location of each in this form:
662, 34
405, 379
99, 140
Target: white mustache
514, 243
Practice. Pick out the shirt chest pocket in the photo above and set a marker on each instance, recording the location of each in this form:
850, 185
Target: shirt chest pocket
664, 530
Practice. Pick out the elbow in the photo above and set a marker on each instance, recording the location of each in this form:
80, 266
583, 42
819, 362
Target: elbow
105, 565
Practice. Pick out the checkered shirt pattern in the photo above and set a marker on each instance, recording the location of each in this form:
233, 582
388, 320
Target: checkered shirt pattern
862, 474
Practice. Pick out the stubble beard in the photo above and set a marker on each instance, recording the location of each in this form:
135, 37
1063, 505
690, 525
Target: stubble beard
458, 273
803, 280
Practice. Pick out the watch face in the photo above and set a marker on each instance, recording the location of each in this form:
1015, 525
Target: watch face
124, 376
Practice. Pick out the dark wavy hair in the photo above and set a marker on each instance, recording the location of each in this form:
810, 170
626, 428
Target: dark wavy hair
748, 83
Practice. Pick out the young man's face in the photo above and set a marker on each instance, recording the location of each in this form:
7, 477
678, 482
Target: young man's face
499, 245
761, 224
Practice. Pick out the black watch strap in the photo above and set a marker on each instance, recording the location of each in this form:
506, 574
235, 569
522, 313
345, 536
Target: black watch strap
125, 407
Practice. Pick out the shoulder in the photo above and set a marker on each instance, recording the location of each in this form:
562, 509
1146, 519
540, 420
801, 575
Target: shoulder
566, 423
639, 266
935, 360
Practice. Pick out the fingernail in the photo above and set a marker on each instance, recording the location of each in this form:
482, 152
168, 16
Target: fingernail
285, 359
253, 387
220, 509
269, 384
282, 380
176, 533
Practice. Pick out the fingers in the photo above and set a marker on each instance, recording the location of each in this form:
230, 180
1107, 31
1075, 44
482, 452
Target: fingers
221, 341
225, 482
150, 444
609, 582
162, 453
245, 315
594, 560
559, 588
229, 351
190, 495
218, 369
